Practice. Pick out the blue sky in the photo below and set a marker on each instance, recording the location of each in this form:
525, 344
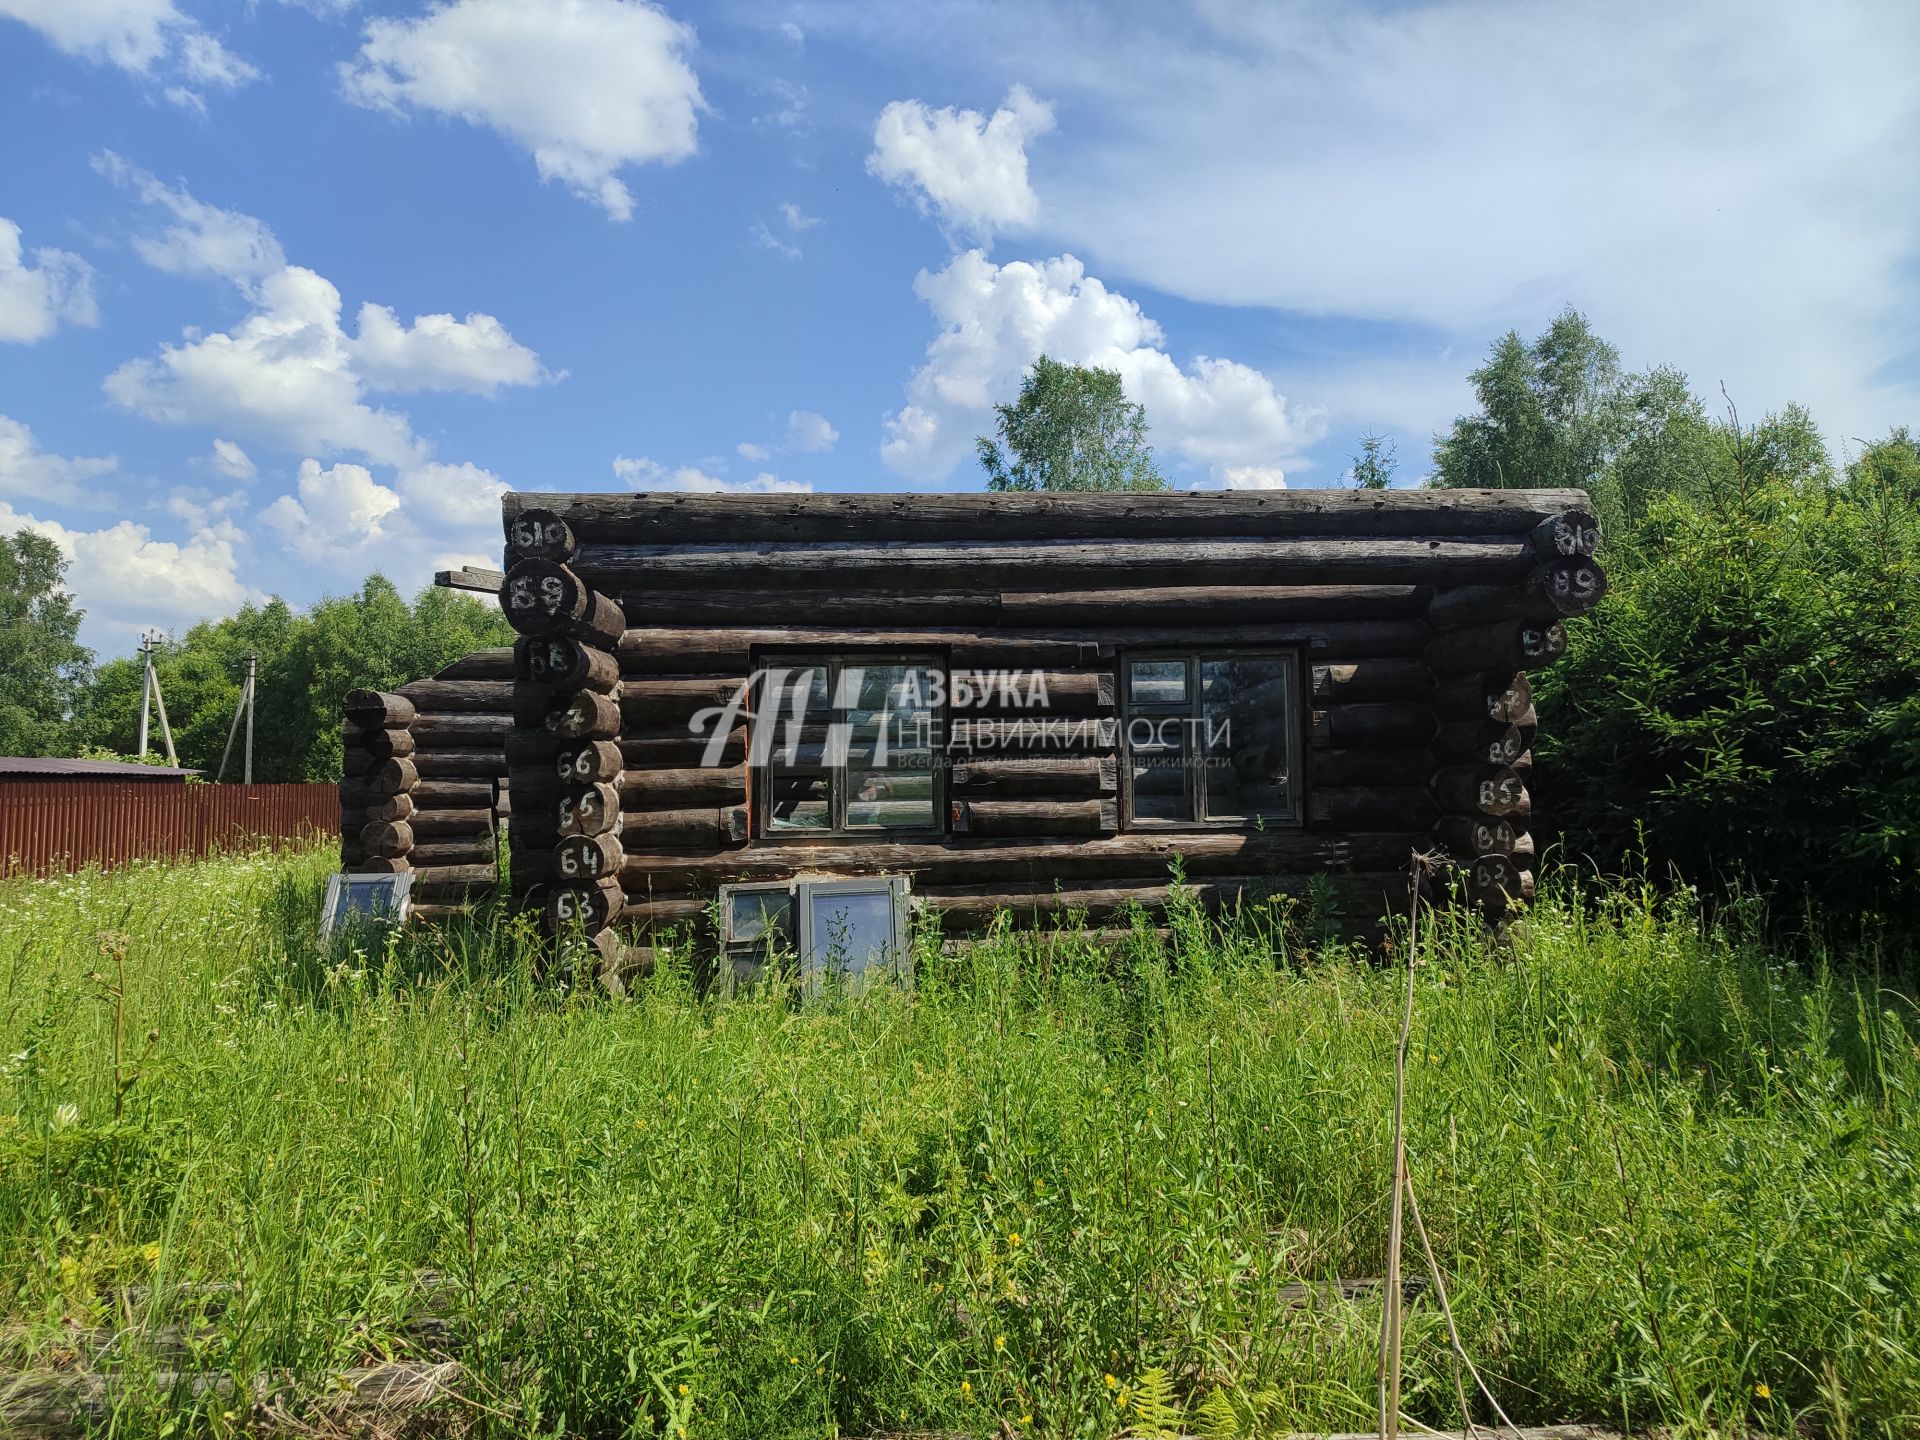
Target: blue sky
293, 291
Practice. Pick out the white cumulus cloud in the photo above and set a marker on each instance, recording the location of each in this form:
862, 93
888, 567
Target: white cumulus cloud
808, 431
338, 510
438, 352
30, 472
205, 239
644, 474
231, 461
143, 37
1253, 477
127, 581
996, 320
585, 86
969, 168
35, 298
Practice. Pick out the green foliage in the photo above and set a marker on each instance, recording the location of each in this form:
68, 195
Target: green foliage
1746, 701
307, 664
1072, 428
43, 666
1670, 1176
1548, 413
1373, 467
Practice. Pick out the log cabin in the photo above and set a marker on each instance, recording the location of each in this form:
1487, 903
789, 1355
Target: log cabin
978, 704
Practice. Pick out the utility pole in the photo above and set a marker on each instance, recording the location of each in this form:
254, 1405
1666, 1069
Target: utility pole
146, 689
253, 670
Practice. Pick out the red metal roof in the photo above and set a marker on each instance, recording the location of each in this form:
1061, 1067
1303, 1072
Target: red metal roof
58, 768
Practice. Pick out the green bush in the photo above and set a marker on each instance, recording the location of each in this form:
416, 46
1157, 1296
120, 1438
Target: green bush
1745, 704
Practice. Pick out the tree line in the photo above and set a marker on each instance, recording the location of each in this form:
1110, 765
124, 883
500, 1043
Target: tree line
54, 700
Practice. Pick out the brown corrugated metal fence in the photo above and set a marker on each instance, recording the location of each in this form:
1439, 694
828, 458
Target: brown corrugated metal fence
64, 824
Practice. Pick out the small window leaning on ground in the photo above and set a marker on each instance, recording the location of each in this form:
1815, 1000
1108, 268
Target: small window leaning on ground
849, 745
843, 932
1211, 739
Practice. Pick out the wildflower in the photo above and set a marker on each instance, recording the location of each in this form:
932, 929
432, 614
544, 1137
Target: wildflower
681, 1388
1026, 1419
966, 1387
1120, 1400
999, 1342
1013, 1238
1763, 1391
793, 1359
1111, 1382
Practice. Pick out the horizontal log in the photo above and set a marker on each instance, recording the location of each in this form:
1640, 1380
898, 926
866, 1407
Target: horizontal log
1523, 848
588, 907
379, 743
1372, 807
635, 569
1485, 742
441, 881
1393, 765
386, 807
588, 810
708, 651
723, 519
387, 837
1551, 592
1481, 790
1499, 648
393, 777
1569, 586
453, 850
1385, 679
352, 852
473, 763
1037, 817
1030, 863
975, 693
586, 716
487, 697
537, 533
528, 747
477, 578
1492, 881
1061, 734
377, 709
543, 597
384, 865
1469, 835
589, 763
1212, 604
663, 701
1569, 533
1503, 697
683, 788
586, 858
1053, 775
1325, 641
451, 822
1392, 724
453, 795
667, 747
1359, 898
436, 730
704, 826
562, 663
491, 664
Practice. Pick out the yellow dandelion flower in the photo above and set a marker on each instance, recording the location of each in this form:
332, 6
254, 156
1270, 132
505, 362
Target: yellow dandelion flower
1026, 1419
681, 1388
1013, 1238
966, 1387
999, 1342
793, 1359
1111, 1382
1763, 1391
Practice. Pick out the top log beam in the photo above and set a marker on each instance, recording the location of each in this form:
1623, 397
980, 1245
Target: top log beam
659, 518
906, 566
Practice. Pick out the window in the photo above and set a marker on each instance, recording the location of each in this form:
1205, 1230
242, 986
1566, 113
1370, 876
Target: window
849, 745
362, 900
843, 932
1212, 739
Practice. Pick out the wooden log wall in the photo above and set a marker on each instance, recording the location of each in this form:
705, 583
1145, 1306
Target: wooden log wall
461, 720
1486, 638
1406, 607
564, 765
380, 777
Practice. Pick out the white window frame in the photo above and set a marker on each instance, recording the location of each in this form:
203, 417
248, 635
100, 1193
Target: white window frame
802, 896
401, 886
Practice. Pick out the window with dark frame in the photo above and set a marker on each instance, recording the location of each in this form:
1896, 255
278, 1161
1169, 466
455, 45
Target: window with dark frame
1211, 739
853, 746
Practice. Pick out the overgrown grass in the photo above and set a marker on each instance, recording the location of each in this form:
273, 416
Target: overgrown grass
1671, 1177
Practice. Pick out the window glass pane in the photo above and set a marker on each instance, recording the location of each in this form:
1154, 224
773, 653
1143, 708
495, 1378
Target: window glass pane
800, 801
753, 914
1158, 682
893, 797
1247, 718
851, 932
1157, 749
